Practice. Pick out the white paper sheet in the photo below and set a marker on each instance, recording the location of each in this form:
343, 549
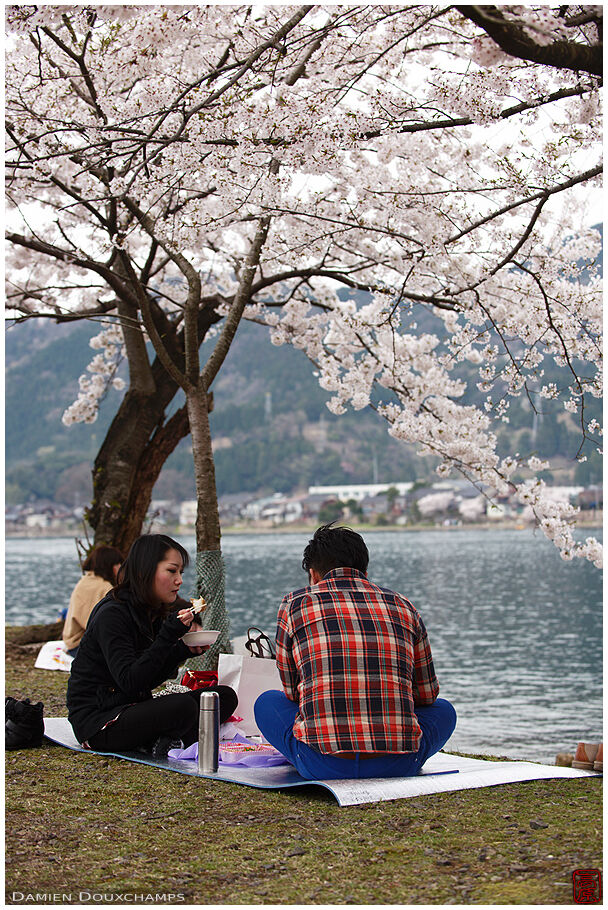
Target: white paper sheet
52, 657
472, 774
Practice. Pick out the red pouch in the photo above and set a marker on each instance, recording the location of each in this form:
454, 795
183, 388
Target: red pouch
199, 679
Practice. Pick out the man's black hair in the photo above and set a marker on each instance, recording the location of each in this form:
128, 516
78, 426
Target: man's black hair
334, 548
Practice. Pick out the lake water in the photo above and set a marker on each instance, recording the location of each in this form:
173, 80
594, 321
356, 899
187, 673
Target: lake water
516, 632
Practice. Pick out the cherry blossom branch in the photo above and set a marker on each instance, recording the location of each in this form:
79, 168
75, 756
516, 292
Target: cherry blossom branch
564, 347
275, 39
79, 59
513, 38
542, 194
435, 224
65, 256
241, 298
60, 184
452, 122
190, 307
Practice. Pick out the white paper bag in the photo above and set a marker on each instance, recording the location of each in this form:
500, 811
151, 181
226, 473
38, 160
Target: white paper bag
249, 677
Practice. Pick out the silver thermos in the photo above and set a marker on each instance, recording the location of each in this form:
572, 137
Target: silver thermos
208, 733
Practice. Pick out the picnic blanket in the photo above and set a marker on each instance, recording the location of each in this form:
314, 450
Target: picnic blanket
441, 773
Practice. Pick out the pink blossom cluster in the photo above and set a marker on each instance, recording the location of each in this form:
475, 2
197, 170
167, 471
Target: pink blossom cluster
103, 369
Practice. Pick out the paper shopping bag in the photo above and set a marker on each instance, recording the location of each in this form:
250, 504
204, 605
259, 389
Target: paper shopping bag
249, 677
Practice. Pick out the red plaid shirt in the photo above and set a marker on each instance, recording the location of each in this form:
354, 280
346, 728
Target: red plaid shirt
356, 659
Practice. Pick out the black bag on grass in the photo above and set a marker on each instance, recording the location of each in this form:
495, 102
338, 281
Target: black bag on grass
24, 724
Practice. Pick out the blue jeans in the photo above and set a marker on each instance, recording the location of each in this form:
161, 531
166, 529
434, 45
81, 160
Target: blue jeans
275, 715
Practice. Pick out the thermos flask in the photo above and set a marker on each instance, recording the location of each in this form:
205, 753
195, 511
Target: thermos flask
208, 732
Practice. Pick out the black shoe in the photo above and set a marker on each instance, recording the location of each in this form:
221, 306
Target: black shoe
24, 724
161, 746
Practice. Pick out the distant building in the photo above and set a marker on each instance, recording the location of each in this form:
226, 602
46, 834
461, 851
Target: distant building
473, 508
276, 509
357, 491
163, 510
436, 503
591, 498
187, 513
37, 520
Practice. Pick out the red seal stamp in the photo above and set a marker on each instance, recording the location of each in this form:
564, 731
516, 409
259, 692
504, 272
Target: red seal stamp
587, 886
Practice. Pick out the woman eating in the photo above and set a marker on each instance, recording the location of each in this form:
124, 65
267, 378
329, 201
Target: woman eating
132, 644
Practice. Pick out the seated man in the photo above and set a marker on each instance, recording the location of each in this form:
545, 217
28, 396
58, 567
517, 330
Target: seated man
360, 692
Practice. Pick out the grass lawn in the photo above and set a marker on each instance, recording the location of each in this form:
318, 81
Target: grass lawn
94, 827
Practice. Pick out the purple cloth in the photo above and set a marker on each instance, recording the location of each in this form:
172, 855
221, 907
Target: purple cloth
246, 759
191, 752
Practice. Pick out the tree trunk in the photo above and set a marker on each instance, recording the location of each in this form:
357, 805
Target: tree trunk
139, 441
154, 456
208, 531
210, 570
127, 466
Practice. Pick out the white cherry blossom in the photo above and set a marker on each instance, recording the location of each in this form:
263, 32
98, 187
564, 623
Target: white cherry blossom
426, 194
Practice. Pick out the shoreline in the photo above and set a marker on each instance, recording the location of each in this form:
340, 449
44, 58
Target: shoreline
595, 523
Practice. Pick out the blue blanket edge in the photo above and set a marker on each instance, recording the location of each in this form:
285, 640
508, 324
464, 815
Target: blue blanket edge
274, 778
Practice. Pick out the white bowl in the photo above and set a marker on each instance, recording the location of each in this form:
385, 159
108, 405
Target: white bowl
200, 639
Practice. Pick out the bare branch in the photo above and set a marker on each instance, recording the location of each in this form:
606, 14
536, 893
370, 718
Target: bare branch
80, 60
39, 246
194, 292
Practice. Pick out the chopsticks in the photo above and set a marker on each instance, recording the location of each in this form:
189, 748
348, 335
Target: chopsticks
198, 605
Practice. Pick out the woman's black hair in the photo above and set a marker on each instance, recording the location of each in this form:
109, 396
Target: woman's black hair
333, 548
101, 561
136, 574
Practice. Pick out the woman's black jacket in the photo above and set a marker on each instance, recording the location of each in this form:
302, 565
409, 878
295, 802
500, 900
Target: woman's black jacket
123, 655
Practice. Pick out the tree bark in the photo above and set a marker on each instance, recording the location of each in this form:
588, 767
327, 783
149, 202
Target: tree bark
136, 446
512, 38
208, 531
210, 569
140, 438
161, 445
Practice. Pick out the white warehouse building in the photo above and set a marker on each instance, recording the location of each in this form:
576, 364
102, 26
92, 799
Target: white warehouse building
358, 491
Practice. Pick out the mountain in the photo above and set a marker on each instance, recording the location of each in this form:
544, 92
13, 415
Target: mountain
271, 428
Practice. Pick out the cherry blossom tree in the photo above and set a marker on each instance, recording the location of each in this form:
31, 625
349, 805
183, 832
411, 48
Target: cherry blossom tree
173, 169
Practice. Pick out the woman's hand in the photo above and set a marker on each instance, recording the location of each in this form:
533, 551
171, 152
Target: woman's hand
186, 616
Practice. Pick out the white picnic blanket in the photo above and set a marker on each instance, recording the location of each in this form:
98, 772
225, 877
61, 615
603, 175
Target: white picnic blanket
441, 773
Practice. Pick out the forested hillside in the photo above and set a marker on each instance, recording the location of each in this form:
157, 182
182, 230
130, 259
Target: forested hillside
271, 428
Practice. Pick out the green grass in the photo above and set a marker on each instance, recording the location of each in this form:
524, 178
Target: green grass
85, 823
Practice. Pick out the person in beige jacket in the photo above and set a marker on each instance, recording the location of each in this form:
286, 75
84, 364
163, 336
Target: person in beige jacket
100, 569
